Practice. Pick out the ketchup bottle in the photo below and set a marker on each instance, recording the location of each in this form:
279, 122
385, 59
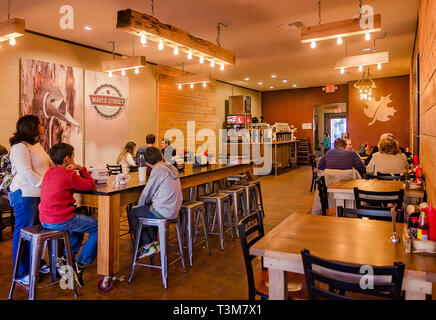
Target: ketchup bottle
418, 174
431, 222
423, 225
415, 160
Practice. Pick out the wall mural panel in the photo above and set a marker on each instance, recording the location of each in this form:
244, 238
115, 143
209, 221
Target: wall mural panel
106, 102
54, 93
379, 110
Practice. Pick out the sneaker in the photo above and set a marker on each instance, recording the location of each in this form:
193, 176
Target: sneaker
146, 250
23, 280
45, 269
78, 273
157, 247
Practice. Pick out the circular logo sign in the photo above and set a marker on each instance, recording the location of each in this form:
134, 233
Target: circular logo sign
108, 101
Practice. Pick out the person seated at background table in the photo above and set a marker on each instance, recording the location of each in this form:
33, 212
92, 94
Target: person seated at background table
349, 146
150, 139
56, 210
126, 156
161, 199
388, 159
375, 149
167, 150
326, 142
341, 159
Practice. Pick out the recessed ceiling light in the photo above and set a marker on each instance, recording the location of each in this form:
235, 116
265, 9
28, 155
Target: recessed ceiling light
88, 28
271, 87
260, 83
366, 49
247, 78
294, 85
285, 81
273, 76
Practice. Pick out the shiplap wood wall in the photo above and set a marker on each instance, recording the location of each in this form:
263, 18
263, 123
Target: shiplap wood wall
427, 68
177, 106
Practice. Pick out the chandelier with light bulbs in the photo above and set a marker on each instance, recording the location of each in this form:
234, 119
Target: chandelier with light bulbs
365, 86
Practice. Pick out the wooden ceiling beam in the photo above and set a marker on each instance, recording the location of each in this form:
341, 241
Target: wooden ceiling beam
333, 30
12, 28
123, 64
197, 78
362, 60
138, 24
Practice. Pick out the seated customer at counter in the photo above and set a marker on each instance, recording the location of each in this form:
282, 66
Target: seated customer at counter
125, 158
384, 135
341, 159
167, 150
389, 159
150, 139
161, 199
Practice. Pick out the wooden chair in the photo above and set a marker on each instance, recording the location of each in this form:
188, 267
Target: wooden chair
344, 280
373, 200
366, 213
323, 197
114, 169
258, 281
388, 176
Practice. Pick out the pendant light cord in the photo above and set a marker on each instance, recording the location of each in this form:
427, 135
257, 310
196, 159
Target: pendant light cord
218, 27
152, 7
360, 9
113, 49
9, 8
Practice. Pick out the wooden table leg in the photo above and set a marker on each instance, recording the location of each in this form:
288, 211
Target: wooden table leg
278, 284
108, 234
410, 295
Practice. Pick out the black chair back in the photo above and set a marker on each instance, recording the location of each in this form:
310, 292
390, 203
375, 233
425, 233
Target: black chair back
341, 278
371, 214
388, 176
251, 225
323, 194
378, 200
114, 169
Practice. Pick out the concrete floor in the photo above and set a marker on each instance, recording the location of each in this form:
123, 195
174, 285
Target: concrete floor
220, 276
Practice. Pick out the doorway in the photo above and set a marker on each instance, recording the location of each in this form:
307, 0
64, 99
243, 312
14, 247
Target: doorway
335, 125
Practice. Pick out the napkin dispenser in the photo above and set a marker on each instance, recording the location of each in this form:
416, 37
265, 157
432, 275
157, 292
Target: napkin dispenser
99, 175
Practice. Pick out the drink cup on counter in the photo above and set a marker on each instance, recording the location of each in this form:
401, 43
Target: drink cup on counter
142, 172
122, 179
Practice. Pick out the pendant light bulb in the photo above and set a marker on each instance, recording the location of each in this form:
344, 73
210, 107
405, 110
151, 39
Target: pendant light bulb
369, 99
123, 72
192, 85
204, 84
361, 96
180, 87
370, 93
136, 70
143, 39
161, 45
360, 68
339, 41
12, 41
110, 74
201, 59
379, 66
190, 55
222, 67
342, 70
212, 63
313, 44
360, 90
176, 50
367, 36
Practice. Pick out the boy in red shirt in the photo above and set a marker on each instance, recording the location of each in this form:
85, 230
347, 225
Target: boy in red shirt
56, 210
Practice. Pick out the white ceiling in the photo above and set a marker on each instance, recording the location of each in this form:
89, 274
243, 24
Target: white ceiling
253, 34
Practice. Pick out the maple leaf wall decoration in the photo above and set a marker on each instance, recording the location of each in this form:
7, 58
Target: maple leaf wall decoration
379, 110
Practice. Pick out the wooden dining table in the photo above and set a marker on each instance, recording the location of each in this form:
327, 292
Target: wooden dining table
343, 192
111, 200
346, 240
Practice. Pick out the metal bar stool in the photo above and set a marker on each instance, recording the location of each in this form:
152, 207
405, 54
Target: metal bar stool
189, 210
37, 236
256, 182
162, 225
237, 179
237, 198
221, 201
250, 196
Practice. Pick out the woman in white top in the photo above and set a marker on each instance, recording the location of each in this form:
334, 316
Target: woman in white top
29, 164
389, 159
126, 156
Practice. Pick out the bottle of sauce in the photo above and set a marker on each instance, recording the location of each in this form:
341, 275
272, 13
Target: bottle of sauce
415, 160
418, 174
431, 222
423, 225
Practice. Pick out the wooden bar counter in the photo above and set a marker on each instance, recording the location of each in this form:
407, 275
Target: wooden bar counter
109, 200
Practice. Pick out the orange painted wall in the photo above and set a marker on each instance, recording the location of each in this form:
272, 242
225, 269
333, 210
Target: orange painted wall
296, 106
398, 125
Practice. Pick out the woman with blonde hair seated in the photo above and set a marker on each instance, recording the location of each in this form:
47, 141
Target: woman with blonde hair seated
126, 156
389, 158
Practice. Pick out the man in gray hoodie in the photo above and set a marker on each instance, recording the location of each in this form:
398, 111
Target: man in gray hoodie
161, 199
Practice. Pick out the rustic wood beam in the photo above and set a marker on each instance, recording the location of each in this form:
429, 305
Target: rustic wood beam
142, 24
197, 78
124, 63
333, 30
12, 28
362, 60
